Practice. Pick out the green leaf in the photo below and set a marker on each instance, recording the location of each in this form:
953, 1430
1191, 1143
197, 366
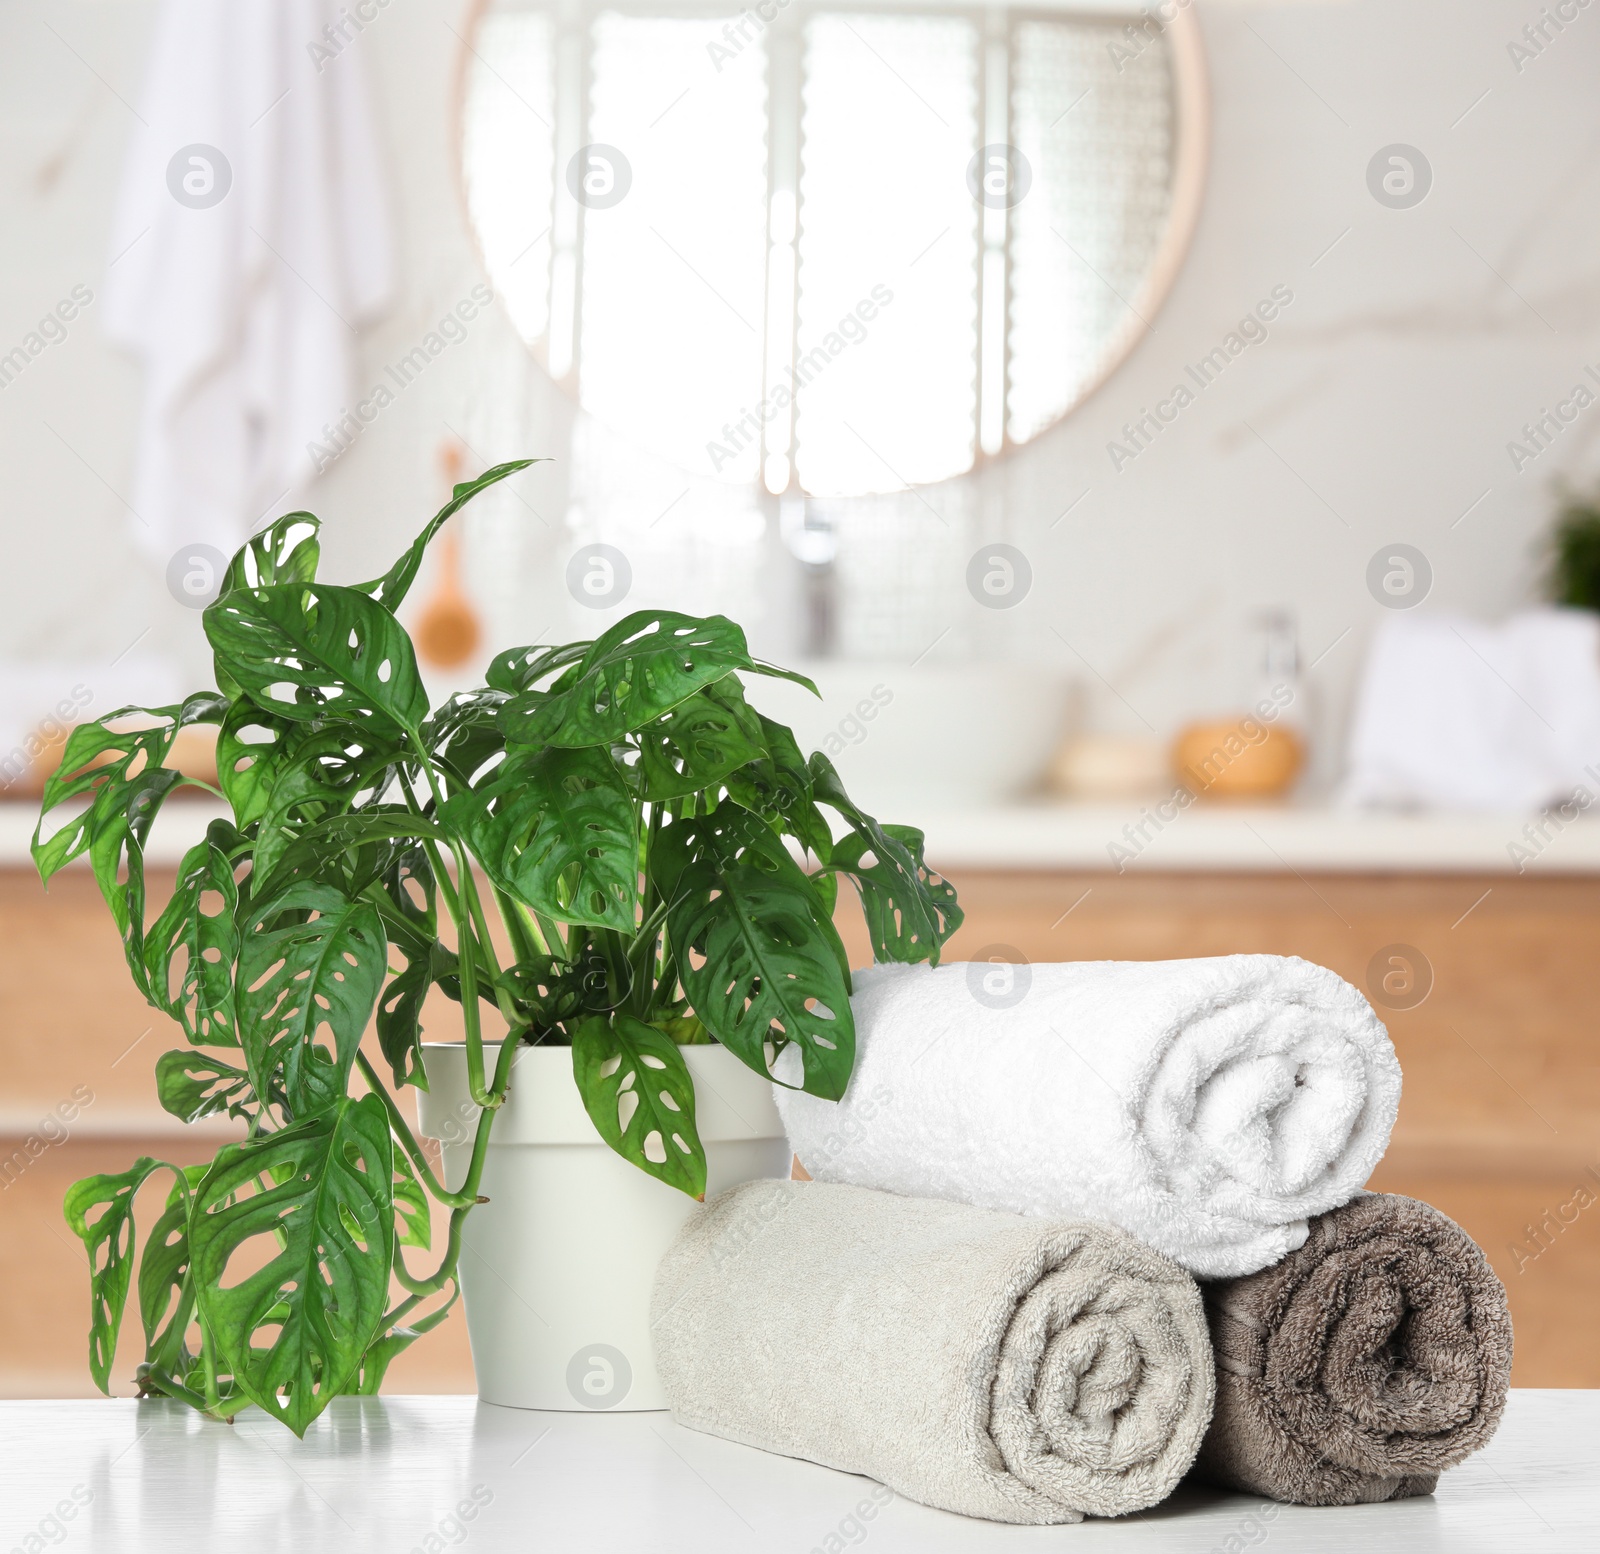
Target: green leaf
464, 735
699, 742
192, 1085
520, 669
312, 651
548, 992
644, 666
375, 1363
639, 1094
98, 755
108, 1238
412, 1218
307, 975
253, 746
208, 937
408, 883
164, 1273
756, 952
407, 898
777, 786
286, 551
773, 671
123, 775
910, 910
325, 773
292, 1277
557, 830
395, 584
400, 1008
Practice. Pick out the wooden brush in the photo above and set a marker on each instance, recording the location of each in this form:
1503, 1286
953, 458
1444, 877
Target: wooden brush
448, 630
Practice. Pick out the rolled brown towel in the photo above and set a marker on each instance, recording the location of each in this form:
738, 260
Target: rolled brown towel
1363, 1364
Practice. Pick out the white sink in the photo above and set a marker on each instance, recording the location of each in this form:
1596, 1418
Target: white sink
942, 736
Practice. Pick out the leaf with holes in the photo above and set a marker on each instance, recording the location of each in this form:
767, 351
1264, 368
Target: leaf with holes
192, 1085
292, 1328
108, 1238
400, 1008
412, 1219
122, 772
286, 551
408, 884
318, 968
699, 742
757, 954
464, 735
253, 747
381, 1353
395, 584
198, 923
557, 830
777, 786
520, 669
166, 1297
406, 896
910, 910
326, 773
310, 651
639, 1094
644, 666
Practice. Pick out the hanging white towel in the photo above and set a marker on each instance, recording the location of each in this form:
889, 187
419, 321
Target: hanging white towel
251, 241
1461, 715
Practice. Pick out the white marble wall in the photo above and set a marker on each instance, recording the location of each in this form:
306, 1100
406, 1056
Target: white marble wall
1418, 343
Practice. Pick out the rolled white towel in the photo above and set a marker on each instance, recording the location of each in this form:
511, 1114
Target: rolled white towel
1209, 1107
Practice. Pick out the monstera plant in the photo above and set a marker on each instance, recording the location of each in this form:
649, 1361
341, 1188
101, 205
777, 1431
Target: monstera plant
631, 824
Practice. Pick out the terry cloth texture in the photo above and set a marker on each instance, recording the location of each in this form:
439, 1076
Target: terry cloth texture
1364, 1364
1209, 1107
979, 1362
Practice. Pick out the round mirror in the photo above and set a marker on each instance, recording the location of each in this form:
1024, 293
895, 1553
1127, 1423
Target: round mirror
830, 250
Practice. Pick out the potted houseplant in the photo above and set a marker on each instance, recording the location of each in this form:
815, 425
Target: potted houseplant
615, 807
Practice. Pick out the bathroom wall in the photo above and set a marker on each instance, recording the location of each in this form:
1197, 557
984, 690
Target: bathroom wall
1418, 343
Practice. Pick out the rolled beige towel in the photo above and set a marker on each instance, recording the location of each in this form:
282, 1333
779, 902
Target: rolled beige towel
977, 1361
1362, 1365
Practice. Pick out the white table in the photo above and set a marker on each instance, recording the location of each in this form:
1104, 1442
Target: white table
390, 1474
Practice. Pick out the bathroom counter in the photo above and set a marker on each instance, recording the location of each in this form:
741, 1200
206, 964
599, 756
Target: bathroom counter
1122, 838
1256, 838
431, 1473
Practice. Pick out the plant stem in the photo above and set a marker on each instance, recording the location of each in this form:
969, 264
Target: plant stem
208, 1358
526, 940
469, 1188
464, 938
408, 1142
465, 959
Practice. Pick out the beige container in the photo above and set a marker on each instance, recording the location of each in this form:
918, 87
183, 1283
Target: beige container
1243, 760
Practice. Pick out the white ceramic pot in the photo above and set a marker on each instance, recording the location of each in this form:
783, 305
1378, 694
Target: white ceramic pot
556, 1267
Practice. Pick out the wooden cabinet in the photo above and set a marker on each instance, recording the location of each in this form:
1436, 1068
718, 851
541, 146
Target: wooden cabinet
1499, 1125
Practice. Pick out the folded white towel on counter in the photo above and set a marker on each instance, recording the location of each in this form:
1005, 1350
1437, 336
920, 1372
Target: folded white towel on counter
1209, 1107
1457, 714
979, 1362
